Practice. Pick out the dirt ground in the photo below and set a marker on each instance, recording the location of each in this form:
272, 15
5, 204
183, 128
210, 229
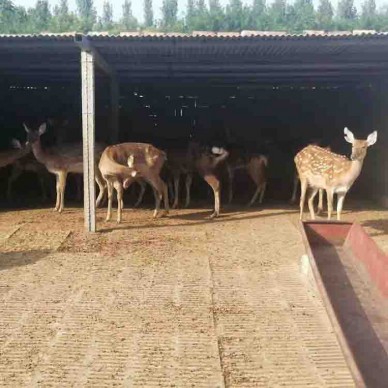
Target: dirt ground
174, 302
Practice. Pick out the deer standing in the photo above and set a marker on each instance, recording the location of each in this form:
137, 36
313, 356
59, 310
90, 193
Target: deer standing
122, 164
62, 160
255, 165
319, 168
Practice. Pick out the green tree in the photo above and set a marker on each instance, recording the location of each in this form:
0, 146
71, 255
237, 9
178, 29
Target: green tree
258, 19
303, 16
107, 16
277, 15
325, 15
236, 16
63, 20
216, 16
148, 14
368, 18
86, 14
128, 21
169, 14
7, 16
347, 10
40, 16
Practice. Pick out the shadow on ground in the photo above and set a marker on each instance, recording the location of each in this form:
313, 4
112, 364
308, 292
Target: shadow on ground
10, 260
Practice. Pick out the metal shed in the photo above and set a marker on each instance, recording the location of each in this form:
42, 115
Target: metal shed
246, 59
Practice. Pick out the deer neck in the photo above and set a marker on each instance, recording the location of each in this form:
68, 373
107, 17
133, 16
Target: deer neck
354, 171
39, 153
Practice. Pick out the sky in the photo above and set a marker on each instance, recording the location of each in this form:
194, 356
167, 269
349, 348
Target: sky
137, 5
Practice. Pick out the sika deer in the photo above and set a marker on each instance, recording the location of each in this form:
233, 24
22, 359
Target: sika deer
205, 162
11, 156
256, 166
61, 161
321, 169
122, 164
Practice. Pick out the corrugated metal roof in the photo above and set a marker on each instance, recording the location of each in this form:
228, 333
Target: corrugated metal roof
250, 56
201, 34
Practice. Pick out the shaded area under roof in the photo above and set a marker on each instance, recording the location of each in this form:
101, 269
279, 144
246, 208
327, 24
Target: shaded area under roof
225, 58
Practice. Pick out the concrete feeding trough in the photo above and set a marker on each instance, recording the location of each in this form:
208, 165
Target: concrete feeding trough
351, 273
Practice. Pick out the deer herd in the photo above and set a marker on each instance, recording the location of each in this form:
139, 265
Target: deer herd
120, 165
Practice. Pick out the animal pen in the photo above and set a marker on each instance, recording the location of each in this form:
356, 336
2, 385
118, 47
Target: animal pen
270, 92
181, 300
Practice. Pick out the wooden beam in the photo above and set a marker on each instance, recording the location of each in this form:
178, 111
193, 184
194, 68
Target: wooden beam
88, 119
85, 45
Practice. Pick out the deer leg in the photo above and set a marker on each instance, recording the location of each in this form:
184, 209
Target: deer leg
15, 173
340, 203
189, 180
320, 202
329, 194
101, 186
62, 188
142, 185
158, 188
303, 189
58, 189
110, 199
214, 183
177, 178
263, 188
312, 195
255, 195
230, 177
119, 190
295, 189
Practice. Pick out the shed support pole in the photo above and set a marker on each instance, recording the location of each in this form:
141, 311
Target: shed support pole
87, 75
114, 101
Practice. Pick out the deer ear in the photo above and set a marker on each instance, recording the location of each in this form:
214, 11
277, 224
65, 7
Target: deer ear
26, 128
42, 129
16, 144
349, 137
372, 138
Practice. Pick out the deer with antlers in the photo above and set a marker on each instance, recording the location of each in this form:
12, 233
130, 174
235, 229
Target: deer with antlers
319, 168
122, 164
61, 161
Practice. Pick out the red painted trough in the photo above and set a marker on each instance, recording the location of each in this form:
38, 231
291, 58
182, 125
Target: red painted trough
351, 273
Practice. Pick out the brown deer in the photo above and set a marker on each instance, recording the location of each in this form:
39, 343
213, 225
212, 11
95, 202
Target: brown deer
255, 165
319, 168
205, 162
196, 159
11, 156
61, 161
122, 164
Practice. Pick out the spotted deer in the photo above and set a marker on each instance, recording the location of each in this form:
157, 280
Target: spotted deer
123, 164
296, 183
61, 161
319, 168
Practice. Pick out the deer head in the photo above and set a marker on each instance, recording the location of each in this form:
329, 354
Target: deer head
33, 136
359, 147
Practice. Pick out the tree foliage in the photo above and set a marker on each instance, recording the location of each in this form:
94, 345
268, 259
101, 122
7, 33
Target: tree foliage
205, 15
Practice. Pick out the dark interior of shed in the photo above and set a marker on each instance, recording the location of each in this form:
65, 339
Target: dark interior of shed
276, 120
